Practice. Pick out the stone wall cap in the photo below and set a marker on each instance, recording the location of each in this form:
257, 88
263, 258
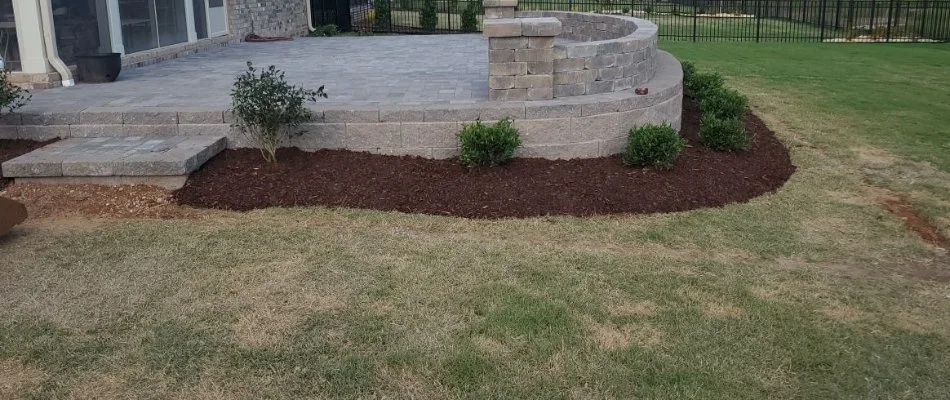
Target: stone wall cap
501, 27
499, 3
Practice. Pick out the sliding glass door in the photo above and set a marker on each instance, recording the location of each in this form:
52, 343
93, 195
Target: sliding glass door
147, 24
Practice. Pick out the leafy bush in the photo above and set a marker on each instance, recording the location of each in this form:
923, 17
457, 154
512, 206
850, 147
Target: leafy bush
488, 145
700, 83
429, 16
655, 146
12, 97
266, 106
625, 10
325, 31
723, 134
689, 69
383, 19
470, 17
724, 103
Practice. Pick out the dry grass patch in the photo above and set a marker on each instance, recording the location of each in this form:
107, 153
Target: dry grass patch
625, 308
16, 378
273, 298
610, 336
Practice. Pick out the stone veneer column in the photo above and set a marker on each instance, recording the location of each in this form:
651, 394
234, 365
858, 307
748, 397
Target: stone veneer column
520, 53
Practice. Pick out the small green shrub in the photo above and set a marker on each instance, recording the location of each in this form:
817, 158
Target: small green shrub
655, 146
701, 83
625, 10
470, 17
648, 9
325, 31
383, 17
12, 97
723, 134
488, 145
724, 103
266, 106
429, 16
689, 69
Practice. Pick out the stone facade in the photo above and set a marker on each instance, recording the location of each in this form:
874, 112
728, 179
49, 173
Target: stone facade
267, 17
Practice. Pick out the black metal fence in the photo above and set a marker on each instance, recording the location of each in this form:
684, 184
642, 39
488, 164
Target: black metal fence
696, 20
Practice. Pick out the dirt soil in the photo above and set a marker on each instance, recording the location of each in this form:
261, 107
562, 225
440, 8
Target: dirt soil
241, 180
10, 149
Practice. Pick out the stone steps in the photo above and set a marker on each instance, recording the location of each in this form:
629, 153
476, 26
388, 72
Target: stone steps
155, 160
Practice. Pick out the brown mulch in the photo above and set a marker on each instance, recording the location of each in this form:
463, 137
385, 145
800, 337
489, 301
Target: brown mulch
240, 180
124, 201
10, 149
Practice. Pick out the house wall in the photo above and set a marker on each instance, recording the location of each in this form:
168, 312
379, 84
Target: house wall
267, 17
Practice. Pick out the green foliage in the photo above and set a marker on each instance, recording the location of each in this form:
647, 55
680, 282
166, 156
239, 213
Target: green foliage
488, 145
12, 97
266, 106
383, 17
429, 16
689, 69
724, 103
325, 31
655, 146
470, 17
700, 83
723, 134
625, 10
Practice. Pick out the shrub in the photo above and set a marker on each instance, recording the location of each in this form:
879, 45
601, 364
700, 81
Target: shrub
470, 17
723, 134
266, 107
488, 145
625, 10
689, 69
429, 16
700, 83
12, 97
655, 146
325, 31
383, 18
724, 103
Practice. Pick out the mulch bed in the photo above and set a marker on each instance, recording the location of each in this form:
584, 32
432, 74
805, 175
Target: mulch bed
10, 149
240, 180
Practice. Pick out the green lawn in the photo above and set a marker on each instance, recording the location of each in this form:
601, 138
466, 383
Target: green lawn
812, 292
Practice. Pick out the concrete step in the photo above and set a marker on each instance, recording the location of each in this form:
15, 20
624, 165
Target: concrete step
155, 160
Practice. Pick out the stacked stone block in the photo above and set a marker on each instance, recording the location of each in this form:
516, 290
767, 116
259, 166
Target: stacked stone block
520, 54
608, 53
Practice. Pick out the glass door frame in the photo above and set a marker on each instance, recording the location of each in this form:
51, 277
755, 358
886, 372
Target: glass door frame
115, 23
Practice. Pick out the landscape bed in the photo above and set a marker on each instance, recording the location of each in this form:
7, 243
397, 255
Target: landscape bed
241, 180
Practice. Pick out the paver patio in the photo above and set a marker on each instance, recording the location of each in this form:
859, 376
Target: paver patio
356, 70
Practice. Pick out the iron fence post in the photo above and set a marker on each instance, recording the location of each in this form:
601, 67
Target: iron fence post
821, 21
695, 16
890, 18
758, 19
923, 20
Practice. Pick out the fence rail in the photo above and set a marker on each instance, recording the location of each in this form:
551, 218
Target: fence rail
696, 20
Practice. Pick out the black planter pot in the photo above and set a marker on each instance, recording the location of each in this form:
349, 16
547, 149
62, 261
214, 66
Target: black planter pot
99, 68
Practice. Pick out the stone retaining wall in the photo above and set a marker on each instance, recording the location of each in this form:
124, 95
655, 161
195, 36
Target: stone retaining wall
576, 127
610, 53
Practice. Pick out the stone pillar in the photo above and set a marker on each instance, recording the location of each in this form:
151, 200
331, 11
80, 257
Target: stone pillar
520, 56
499, 8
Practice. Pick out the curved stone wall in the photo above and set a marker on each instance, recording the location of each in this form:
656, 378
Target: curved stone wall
575, 127
600, 53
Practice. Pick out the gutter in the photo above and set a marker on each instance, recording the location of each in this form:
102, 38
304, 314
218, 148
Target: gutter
309, 17
49, 36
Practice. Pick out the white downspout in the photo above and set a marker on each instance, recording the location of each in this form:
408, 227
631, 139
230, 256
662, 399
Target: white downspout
310, 17
49, 35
